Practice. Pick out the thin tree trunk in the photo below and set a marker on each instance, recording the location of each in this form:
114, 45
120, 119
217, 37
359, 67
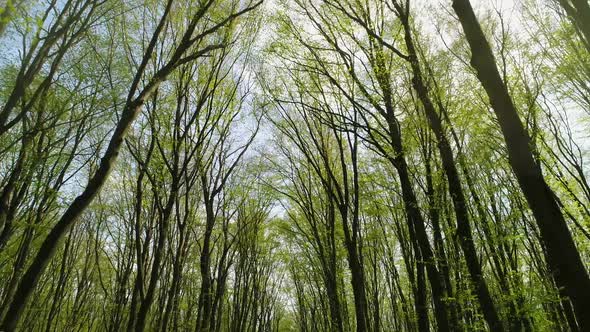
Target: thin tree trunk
53, 239
456, 191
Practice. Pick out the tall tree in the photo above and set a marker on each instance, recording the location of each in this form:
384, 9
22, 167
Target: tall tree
563, 257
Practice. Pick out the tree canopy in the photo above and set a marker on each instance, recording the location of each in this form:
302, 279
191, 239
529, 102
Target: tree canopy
294, 165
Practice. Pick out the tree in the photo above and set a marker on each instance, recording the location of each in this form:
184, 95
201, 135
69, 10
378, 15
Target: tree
564, 260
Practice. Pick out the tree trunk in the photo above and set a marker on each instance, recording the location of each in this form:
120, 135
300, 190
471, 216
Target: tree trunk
456, 191
563, 257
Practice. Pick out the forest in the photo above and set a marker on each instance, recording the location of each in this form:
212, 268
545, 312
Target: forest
294, 165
